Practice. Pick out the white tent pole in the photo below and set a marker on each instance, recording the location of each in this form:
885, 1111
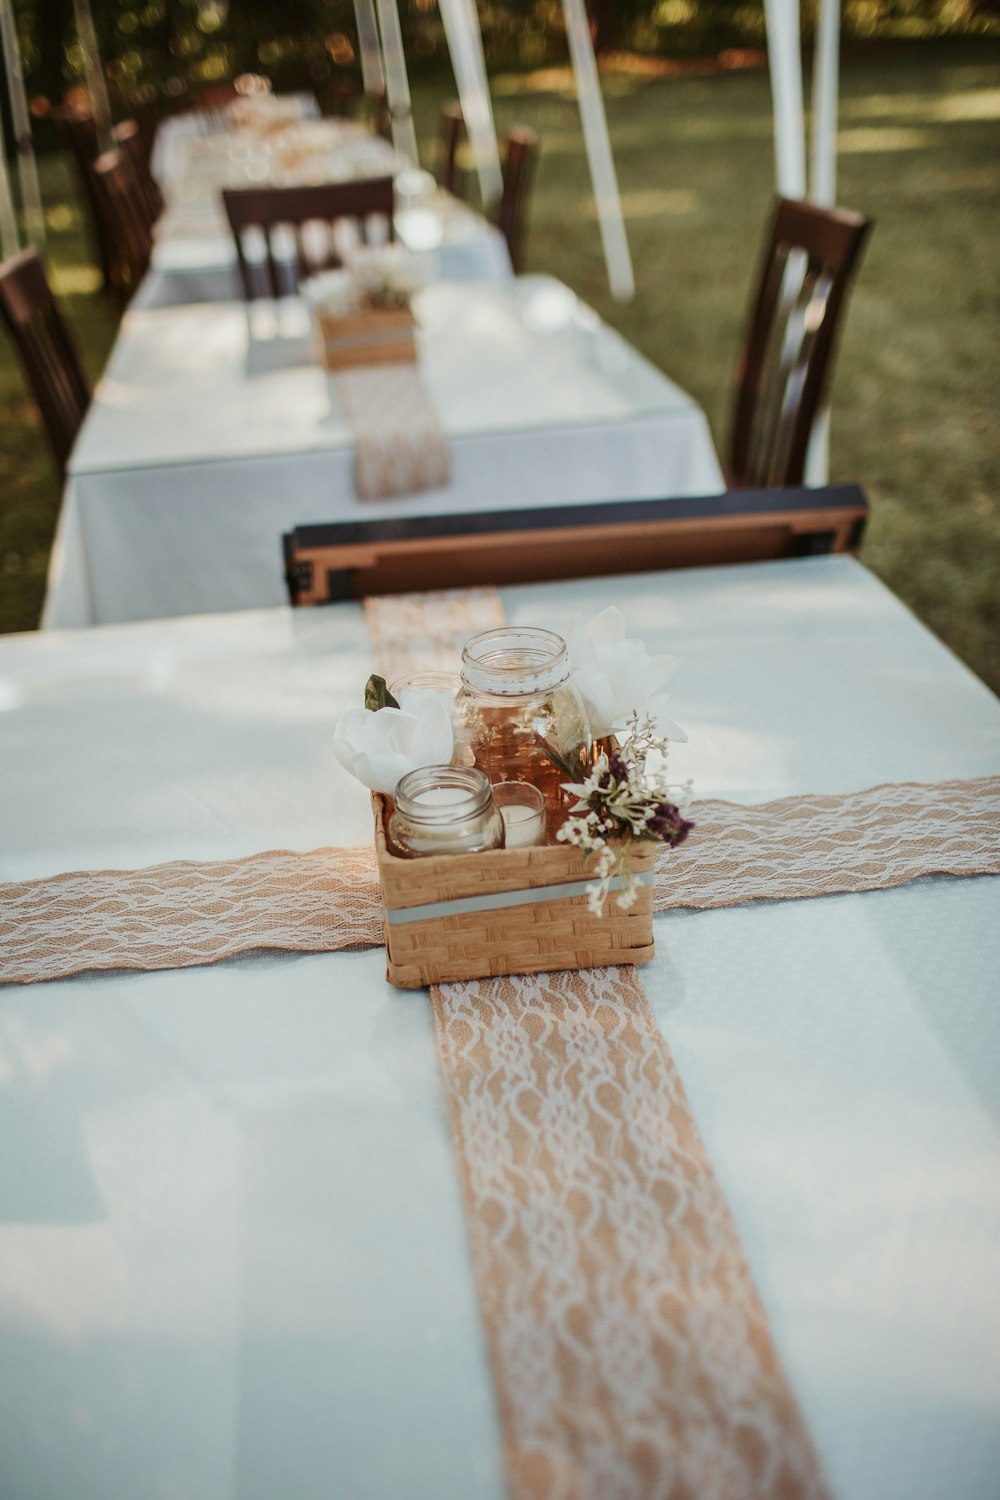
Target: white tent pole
823, 182
465, 43
31, 195
10, 239
785, 64
372, 74
397, 85
97, 87
826, 69
598, 143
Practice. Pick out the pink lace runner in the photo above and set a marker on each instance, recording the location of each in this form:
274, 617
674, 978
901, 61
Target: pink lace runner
631, 1354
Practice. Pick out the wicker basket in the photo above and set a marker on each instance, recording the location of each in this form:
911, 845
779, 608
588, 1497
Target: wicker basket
525, 935
377, 336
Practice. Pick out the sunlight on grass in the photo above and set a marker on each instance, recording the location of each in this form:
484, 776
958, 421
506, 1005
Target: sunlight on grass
75, 281
650, 202
61, 217
875, 138
971, 104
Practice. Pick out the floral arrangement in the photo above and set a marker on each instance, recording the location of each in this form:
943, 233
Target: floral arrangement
375, 278
626, 796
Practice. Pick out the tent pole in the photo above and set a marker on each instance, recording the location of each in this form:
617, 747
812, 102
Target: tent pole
598, 143
397, 85
465, 43
10, 239
27, 167
825, 82
372, 73
97, 88
823, 183
785, 65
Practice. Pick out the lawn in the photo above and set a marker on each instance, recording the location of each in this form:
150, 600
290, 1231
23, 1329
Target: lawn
915, 409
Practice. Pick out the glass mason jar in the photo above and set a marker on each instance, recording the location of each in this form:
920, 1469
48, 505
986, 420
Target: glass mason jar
444, 810
519, 718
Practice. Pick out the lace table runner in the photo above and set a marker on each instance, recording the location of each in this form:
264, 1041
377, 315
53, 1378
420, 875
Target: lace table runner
630, 1351
399, 444
173, 916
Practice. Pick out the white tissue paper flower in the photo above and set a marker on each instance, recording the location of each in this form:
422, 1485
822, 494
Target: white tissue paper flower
615, 674
379, 748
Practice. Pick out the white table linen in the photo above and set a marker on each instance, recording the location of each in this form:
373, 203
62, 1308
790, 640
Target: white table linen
209, 436
233, 1259
172, 147
194, 257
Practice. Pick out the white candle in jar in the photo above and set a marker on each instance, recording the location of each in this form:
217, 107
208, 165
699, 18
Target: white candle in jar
441, 796
523, 811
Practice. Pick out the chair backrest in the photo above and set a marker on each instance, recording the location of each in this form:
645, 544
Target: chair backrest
810, 256
520, 155
353, 559
47, 351
276, 214
452, 134
148, 199
118, 197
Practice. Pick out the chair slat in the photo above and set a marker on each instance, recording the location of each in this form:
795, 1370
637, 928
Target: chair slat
809, 260
263, 210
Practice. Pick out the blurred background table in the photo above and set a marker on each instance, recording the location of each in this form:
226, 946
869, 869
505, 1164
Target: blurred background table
213, 432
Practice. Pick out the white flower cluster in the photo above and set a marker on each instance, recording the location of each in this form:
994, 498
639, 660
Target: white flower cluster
375, 276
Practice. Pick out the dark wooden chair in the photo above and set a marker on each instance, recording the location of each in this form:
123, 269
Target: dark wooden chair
352, 559
273, 212
118, 199
148, 198
809, 260
520, 156
46, 349
450, 174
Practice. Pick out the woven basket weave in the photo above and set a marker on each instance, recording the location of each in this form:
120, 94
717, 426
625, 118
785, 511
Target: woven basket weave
375, 336
527, 938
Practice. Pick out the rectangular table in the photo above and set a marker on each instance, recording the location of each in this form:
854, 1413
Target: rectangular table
194, 258
209, 437
233, 1257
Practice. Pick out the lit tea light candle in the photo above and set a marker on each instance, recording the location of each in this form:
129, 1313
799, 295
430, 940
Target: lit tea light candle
522, 808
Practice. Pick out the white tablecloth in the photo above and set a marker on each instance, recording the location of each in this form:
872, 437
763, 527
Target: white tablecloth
171, 153
233, 1258
194, 258
204, 444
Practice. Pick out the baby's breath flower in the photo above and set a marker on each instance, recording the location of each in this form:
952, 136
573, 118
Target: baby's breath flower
626, 796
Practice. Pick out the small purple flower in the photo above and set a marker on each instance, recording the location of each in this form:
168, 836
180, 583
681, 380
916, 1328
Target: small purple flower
618, 768
668, 824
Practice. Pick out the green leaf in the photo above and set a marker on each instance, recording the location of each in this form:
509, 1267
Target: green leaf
377, 695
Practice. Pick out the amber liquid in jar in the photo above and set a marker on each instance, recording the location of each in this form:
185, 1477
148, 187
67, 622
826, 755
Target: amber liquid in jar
518, 717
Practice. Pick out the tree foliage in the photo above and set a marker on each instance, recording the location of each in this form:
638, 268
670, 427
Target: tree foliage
153, 43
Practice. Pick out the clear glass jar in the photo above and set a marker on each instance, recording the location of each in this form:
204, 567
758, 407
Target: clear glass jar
519, 718
444, 810
445, 684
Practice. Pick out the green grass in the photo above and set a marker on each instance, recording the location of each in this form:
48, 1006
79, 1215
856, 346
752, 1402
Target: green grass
915, 400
